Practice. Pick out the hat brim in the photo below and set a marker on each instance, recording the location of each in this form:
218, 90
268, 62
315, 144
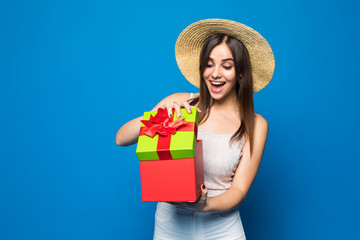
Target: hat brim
192, 38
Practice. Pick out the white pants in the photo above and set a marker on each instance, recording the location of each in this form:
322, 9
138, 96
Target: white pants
175, 222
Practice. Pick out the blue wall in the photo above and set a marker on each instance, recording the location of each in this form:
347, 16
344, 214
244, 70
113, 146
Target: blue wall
71, 73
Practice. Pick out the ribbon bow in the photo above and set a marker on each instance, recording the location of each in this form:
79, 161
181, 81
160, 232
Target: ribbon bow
162, 124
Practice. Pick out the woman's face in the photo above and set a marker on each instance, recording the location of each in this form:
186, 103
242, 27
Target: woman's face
219, 74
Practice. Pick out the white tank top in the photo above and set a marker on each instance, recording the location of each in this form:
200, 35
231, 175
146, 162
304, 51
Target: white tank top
220, 160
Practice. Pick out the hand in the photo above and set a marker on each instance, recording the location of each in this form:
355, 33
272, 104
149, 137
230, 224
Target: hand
201, 202
199, 205
177, 105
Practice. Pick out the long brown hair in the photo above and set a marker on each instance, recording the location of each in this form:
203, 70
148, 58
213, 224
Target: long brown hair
244, 85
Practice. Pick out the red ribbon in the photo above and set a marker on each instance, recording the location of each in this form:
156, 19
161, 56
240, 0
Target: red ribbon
163, 125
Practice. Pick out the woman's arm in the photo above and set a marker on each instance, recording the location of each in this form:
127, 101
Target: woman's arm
245, 172
128, 134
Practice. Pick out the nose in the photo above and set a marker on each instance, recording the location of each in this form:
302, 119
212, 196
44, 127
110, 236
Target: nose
216, 73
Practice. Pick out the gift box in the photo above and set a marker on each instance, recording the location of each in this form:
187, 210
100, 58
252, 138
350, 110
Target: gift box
171, 164
161, 140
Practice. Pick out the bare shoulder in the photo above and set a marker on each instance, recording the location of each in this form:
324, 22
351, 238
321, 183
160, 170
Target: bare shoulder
260, 123
183, 95
260, 135
179, 96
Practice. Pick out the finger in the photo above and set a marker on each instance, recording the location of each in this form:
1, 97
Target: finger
169, 109
177, 106
204, 190
201, 202
188, 107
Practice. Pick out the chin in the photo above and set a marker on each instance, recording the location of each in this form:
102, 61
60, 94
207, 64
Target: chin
217, 95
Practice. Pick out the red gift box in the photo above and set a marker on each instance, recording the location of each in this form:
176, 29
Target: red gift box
171, 164
173, 180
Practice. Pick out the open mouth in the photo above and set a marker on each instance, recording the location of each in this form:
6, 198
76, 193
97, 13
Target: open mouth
217, 86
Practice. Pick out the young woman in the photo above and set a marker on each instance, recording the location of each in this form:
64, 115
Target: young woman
228, 61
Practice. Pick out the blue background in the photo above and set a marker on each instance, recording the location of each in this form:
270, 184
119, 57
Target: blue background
72, 72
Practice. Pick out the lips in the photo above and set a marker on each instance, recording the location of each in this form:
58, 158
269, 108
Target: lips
216, 87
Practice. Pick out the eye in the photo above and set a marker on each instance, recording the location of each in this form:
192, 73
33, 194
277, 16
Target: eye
227, 67
209, 65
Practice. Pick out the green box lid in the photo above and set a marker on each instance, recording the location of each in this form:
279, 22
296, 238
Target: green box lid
182, 143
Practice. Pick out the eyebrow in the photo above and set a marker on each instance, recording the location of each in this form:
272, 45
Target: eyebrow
223, 60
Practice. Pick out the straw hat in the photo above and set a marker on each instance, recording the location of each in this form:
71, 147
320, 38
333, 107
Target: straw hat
192, 38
